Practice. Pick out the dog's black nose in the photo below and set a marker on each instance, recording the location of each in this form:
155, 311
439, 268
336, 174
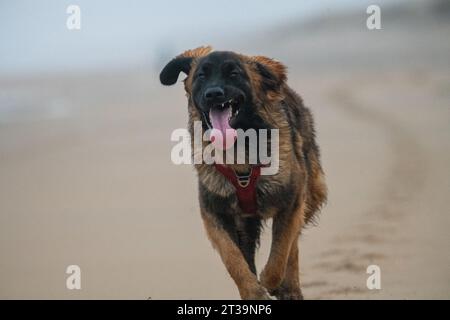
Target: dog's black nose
214, 94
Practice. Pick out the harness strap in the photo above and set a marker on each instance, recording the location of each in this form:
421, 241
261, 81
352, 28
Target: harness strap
245, 186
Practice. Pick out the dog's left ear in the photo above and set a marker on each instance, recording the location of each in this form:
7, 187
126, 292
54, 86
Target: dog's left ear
182, 63
273, 73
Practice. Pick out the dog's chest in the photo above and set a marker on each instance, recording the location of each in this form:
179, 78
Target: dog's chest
263, 199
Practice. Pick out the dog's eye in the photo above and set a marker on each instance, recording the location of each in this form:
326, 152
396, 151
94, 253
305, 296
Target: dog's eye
201, 76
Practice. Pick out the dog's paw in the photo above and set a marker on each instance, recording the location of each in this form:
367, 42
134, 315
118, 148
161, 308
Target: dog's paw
271, 278
257, 293
283, 293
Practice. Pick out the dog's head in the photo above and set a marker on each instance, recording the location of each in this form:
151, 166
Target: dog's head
229, 90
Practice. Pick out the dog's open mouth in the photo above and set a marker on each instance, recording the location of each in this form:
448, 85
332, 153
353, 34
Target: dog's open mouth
219, 118
220, 115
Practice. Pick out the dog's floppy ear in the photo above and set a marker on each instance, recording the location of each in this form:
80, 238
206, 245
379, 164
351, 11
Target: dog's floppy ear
181, 63
272, 72
169, 75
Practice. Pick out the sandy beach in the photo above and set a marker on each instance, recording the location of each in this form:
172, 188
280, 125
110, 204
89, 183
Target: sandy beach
86, 176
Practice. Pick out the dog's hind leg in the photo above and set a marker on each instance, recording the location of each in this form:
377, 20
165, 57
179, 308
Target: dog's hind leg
234, 260
285, 231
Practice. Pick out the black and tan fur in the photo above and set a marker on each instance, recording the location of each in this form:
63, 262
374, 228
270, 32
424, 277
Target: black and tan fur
291, 198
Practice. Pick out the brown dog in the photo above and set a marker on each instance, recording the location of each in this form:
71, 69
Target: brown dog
252, 93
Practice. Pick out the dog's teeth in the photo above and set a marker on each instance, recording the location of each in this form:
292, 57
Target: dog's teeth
207, 119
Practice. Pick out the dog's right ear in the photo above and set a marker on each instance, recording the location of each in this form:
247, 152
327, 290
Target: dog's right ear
169, 75
181, 63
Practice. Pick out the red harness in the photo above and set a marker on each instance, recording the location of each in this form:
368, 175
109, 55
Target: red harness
245, 186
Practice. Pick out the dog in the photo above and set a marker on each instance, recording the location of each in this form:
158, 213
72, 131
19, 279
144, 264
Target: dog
253, 92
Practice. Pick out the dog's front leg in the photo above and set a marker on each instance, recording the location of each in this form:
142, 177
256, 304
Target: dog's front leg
290, 286
285, 230
234, 260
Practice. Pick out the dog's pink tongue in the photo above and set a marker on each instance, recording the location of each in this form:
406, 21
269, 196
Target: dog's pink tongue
222, 135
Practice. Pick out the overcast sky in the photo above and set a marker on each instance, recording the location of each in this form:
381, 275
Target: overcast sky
34, 36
